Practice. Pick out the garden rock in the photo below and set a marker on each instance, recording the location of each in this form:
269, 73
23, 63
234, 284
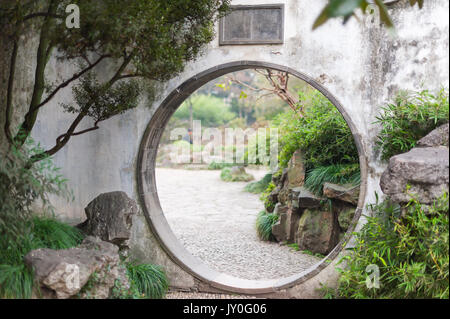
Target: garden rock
237, 170
109, 217
62, 274
318, 231
346, 193
279, 228
437, 137
302, 198
296, 170
291, 225
424, 169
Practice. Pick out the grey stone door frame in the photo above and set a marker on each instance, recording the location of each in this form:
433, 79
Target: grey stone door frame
153, 212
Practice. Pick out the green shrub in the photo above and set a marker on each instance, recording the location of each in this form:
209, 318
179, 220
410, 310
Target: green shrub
218, 166
226, 176
264, 223
259, 186
21, 185
264, 197
149, 280
410, 249
322, 134
409, 118
338, 174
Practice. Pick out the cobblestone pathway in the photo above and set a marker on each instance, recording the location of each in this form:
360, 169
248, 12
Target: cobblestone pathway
215, 221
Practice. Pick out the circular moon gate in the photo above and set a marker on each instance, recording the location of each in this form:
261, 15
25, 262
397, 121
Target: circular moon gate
153, 212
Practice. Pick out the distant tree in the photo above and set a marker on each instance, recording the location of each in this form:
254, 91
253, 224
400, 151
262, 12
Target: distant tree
210, 110
150, 40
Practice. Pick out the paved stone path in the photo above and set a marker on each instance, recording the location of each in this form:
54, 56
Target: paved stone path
215, 221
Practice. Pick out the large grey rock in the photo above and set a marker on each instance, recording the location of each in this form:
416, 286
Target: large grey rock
279, 228
318, 231
62, 274
293, 176
291, 225
303, 198
424, 169
237, 170
346, 193
296, 170
109, 217
437, 137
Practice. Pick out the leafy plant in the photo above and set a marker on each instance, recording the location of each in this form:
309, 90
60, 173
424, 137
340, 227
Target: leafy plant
119, 291
339, 174
226, 176
21, 185
322, 134
264, 223
259, 186
347, 8
149, 280
50, 233
218, 166
411, 251
16, 281
265, 198
410, 117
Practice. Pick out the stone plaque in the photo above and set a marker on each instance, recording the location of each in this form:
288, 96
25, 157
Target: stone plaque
261, 24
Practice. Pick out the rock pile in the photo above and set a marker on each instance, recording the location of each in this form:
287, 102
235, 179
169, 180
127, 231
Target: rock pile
315, 223
92, 269
424, 170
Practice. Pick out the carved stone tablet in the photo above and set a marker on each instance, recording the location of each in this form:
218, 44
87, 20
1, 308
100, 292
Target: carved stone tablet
261, 24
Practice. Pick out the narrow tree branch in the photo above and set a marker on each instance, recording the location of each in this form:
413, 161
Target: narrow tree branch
39, 79
75, 77
95, 127
133, 75
9, 97
62, 140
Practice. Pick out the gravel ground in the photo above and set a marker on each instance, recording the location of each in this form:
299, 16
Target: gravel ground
215, 221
